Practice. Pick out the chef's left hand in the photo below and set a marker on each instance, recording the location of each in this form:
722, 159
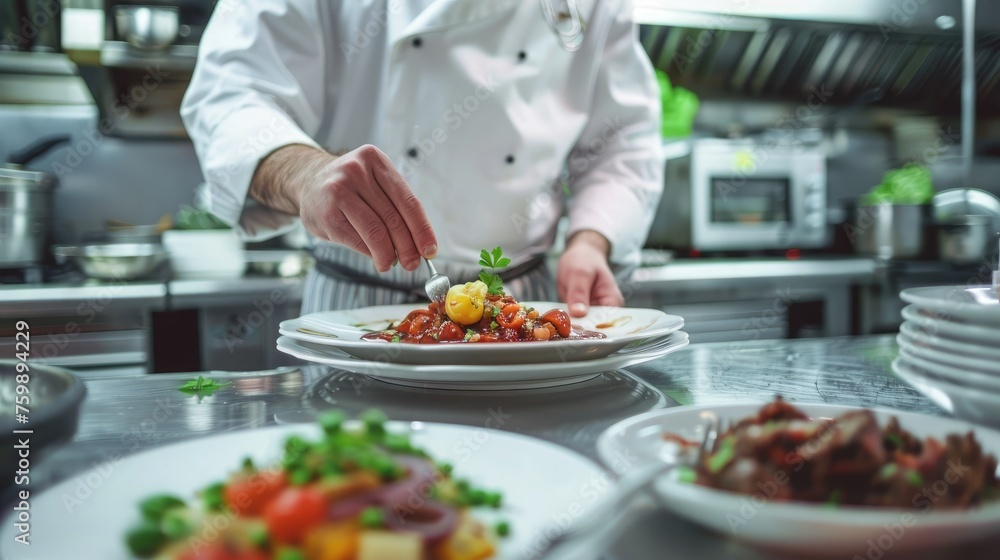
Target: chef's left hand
584, 277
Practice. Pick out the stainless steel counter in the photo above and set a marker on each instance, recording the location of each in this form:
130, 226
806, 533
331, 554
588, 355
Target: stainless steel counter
125, 415
706, 274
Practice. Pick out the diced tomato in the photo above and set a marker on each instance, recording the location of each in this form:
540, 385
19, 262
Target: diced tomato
558, 319
293, 513
511, 316
450, 331
247, 494
403, 327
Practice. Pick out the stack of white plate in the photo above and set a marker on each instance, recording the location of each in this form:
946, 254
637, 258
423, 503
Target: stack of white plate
949, 349
334, 338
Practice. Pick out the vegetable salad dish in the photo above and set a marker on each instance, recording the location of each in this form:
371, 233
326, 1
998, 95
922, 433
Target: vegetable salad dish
481, 311
358, 493
848, 460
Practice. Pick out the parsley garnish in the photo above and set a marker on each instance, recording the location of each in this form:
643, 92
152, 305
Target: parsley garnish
201, 386
493, 261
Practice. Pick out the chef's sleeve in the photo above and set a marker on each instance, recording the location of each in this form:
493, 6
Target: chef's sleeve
616, 167
257, 86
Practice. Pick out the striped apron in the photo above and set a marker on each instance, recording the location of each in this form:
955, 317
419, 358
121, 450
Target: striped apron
343, 279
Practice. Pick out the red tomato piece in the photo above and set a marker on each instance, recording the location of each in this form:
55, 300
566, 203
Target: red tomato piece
450, 331
510, 316
559, 319
247, 495
294, 513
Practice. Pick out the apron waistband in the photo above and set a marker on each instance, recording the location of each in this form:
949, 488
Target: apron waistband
343, 273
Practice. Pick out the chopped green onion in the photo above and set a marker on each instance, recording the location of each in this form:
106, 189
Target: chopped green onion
248, 466
175, 524
493, 499
722, 457
469, 333
888, 471
446, 468
686, 474
395, 338
494, 325
895, 440
914, 478
502, 528
372, 517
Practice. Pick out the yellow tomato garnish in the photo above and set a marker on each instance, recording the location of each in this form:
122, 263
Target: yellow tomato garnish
464, 303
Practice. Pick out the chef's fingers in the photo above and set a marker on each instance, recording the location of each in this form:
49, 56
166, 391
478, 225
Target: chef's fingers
606, 290
402, 240
576, 285
371, 229
337, 228
407, 203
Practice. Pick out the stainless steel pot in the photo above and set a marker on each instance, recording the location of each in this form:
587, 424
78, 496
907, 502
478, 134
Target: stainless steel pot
115, 261
891, 231
26, 207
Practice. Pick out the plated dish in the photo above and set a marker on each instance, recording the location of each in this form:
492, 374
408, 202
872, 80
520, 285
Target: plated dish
484, 377
344, 330
846, 460
537, 481
767, 517
356, 492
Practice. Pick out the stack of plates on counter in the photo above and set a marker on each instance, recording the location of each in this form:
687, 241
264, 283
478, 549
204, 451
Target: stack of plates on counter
334, 338
949, 349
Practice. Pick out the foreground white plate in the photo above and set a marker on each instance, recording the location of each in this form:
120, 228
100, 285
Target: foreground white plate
949, 345
968, 403
484, 377
977, 304
343, 330
539, 481
797, 526
934, 324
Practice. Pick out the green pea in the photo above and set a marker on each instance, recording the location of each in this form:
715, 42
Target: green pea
154, 507
145, 539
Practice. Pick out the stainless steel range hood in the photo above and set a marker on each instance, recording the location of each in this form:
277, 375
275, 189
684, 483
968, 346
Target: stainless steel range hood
902, 53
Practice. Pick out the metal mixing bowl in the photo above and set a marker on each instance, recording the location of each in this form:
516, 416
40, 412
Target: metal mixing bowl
115, 261
54, 398
147, 27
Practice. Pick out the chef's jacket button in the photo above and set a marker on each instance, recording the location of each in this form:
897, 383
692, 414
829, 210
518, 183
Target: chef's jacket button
413, 153
418, 42
510, 159
522, 55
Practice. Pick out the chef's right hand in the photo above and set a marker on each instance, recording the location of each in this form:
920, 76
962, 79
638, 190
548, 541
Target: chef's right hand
358, 200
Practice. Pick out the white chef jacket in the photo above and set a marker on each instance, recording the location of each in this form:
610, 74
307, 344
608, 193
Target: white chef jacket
475, 101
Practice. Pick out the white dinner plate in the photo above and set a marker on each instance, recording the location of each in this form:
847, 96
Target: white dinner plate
483, 377
623, 326
976, 304
87, 516
974, 405
924, 338
796, 526
934, 324
950, 368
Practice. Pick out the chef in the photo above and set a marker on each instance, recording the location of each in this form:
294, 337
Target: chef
402, 129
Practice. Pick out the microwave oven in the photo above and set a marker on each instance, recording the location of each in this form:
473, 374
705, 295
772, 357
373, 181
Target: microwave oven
742, 195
